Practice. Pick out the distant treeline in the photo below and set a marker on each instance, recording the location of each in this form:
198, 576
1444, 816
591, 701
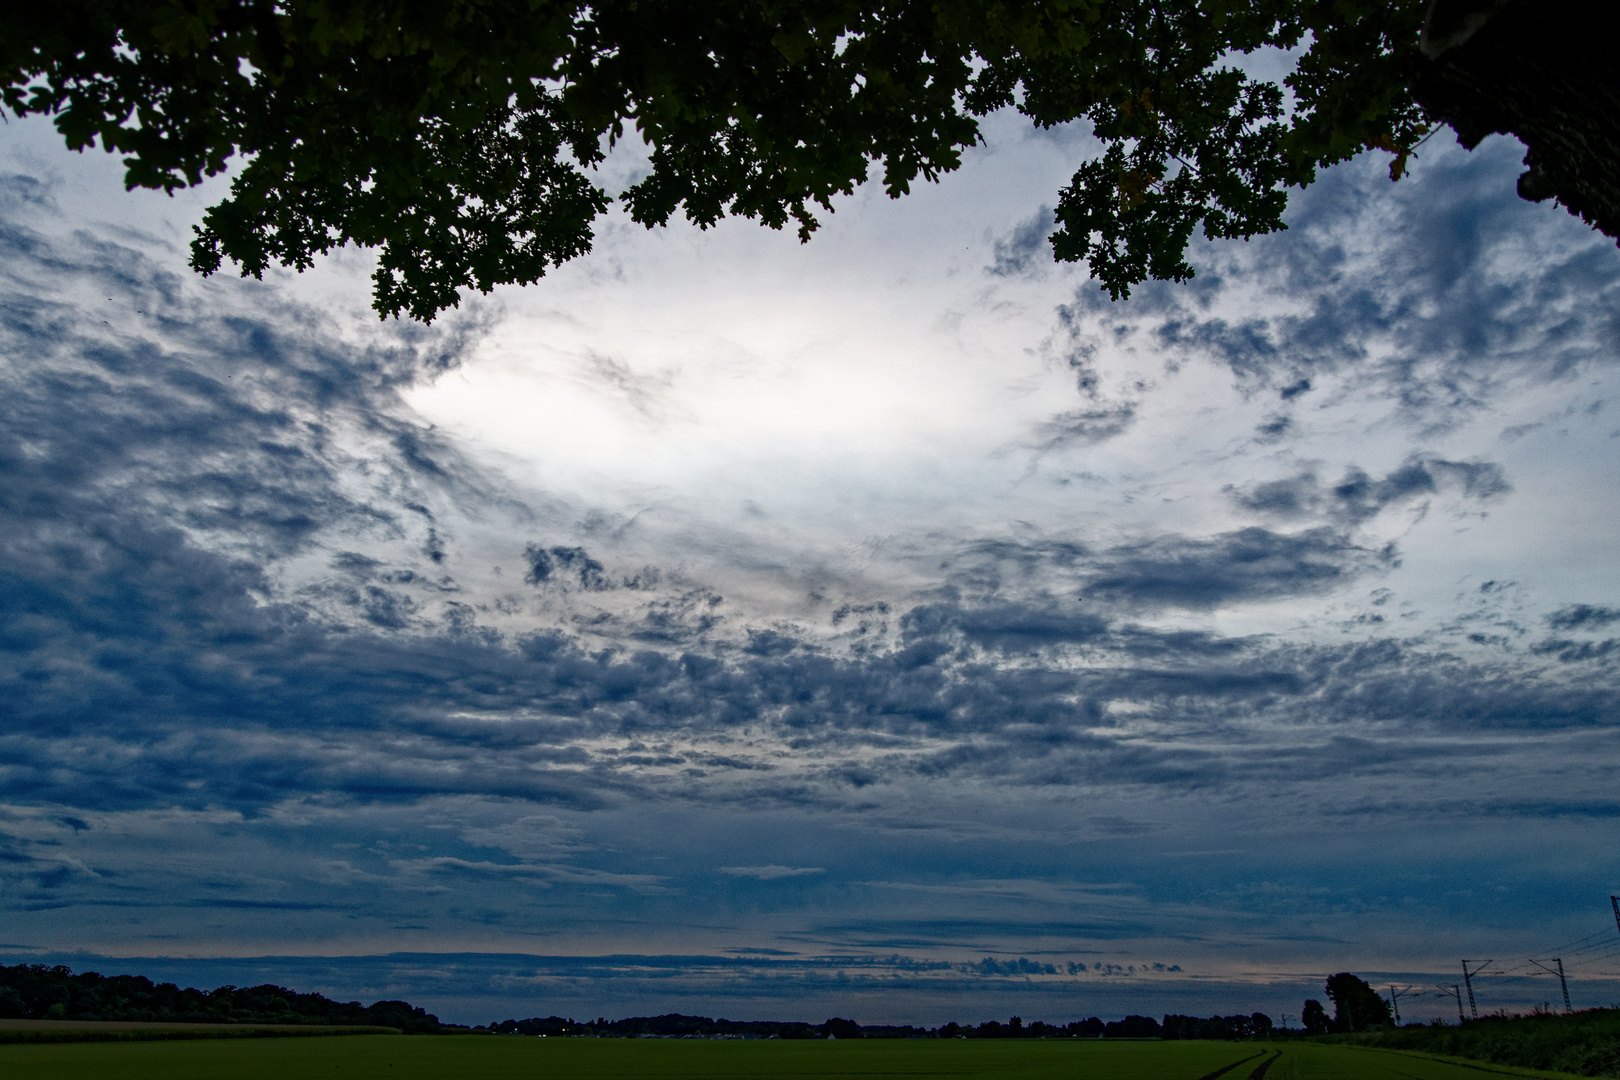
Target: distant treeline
678, 1026
1253, 1026
38, 992
1585, 1043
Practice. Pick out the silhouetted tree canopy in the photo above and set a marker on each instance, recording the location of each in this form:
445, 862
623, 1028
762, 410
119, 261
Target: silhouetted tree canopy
1254, 1025
458, 137
1133, 1027
1544, 71
35, 991
1356, 1005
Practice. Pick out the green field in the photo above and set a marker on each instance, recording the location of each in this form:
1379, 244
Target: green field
429, 1057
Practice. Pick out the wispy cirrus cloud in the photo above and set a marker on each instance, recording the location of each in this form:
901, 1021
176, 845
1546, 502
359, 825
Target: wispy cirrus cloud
771, 872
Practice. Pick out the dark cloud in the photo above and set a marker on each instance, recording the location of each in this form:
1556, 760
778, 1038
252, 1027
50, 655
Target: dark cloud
1294, 497
1247, 348
1274, 427
242, 423
1469, 292
770, 643
390, 610
1583, 617
567, 568
1357, 497
1017, 627
549, 565
1024, 249
155, 475
770, 873
1571, 652
1247, 565
207, 714
682, 618
1086, 426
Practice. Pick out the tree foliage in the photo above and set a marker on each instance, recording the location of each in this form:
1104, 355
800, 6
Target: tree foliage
458, 137
1255, 1025
1356, 1005
1585, 1043
35, 991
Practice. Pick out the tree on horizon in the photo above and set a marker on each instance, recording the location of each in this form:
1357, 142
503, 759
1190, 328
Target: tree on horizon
1356, 1005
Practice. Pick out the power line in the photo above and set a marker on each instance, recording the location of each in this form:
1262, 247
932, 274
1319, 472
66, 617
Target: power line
1592, 947
1587, 961
1395, 999
1601, 946
1598, 939
1562, 983
1453, 991
1578, 942
1578, 955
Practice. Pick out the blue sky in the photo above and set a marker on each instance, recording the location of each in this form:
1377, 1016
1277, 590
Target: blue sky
889, 627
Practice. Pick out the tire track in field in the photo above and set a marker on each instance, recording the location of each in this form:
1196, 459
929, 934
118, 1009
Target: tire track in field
1260, 1069
1224, 1069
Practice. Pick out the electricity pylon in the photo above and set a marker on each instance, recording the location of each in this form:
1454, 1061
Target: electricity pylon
1562, 982
1468, 980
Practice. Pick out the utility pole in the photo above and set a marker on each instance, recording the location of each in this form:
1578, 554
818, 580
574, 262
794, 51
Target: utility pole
1468, 979
1454, 991
1614, 902
1564, 984
1395, 1000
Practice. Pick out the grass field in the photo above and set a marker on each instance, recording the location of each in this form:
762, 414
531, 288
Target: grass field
464, 1057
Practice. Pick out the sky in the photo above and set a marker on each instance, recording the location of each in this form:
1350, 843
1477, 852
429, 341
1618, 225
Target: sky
890, 627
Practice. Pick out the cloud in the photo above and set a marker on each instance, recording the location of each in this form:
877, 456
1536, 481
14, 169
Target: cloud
275, 648
1247, 565
1460, 294
437, 867
1571, 652
770, 873
1356, 497
552, 565
1024, 249
1583, 617
1014, 627
1086, 426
